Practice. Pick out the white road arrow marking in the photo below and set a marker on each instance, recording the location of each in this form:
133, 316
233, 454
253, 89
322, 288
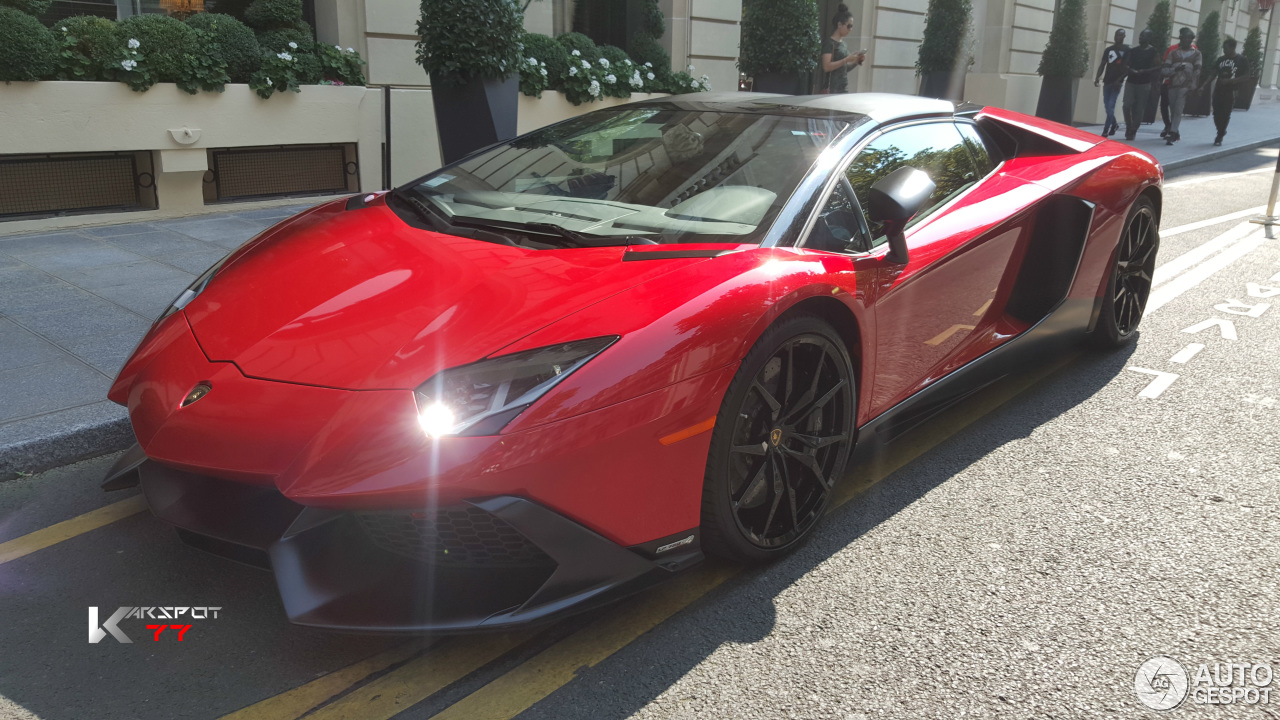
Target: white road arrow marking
1235, 307
1226, 327
1262, 291
1198, 274
1187, 353
1155, 387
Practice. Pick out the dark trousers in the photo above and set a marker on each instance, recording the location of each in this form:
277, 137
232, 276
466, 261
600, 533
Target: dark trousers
1135, 107
1164, 104
1223, 101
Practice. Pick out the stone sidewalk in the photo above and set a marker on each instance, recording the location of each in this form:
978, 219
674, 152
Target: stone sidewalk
74, 303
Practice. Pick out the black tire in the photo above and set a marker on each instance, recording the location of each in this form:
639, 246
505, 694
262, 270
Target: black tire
778, 450
1129, 279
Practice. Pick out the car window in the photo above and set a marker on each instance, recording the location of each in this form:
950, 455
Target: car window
978, 148
935, 148
838, 228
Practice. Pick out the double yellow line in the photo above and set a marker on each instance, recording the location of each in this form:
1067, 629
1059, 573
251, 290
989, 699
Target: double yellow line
397, 679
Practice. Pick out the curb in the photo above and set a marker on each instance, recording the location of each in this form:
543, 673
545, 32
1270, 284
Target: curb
71, 442
1214, 155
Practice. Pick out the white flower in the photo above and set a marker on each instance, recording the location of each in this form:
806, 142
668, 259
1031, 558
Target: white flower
338, 48
128, 64
628, 63
594, 89
575, 53
604, 63
284, 56
544, 71
268, 81
64, 29
350, 50
533, 61
293, 45
650, 76
610, 78
573, 71
648, 64
134, 44
586, 65
542, 64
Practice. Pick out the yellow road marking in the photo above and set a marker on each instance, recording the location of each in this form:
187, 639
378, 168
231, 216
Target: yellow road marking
547, 671
543, 674
419, 679
302, 699
54, 534
945, 334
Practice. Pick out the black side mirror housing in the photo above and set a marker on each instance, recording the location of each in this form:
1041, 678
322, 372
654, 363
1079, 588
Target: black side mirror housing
893, 201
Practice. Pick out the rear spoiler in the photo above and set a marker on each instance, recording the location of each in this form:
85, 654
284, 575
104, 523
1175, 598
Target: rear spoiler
1020, 135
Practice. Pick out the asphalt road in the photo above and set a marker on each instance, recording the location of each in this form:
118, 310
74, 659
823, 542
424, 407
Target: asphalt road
1021, 556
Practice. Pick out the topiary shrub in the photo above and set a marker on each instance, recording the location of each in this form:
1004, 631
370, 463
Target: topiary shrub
278, 39
571, 41
465, 39
945, 26
264, 15
88, 44
203, 68
550, 55
647, 49
232, 42
35, 8
779, 36
1252, 51
27, 48
1067, 54
162, 40
338, 66
1209, 42
1160, 23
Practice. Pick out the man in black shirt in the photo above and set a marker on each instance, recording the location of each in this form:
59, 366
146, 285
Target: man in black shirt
1231, 71
1141, 66
1113, 66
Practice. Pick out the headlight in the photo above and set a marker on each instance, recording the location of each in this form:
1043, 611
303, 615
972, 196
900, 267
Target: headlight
481, 398
193, 290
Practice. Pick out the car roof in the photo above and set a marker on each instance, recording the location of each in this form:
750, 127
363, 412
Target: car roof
880, 108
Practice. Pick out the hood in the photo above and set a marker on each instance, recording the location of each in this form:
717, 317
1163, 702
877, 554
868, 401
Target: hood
359, 300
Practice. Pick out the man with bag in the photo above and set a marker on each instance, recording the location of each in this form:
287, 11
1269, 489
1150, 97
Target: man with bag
1182, 68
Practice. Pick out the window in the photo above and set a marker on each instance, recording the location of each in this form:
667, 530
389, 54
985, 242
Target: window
980, 147
936, 148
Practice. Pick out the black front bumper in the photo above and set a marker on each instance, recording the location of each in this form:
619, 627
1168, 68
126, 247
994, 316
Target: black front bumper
334, 572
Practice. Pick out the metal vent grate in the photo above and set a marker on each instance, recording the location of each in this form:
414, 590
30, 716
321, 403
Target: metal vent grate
266, 172
63, 184
460, 536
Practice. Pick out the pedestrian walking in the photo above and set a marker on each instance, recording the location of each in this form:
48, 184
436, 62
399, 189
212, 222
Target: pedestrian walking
1140, 67
1112, 74
1182, 68
1230, 72
835, 56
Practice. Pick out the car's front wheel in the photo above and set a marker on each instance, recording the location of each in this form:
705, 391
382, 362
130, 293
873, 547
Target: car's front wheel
781, 441
1129, 284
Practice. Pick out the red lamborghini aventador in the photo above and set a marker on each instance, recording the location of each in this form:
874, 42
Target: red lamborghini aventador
567, 366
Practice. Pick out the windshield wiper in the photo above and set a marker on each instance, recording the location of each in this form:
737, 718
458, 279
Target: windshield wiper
436, 218
575, 237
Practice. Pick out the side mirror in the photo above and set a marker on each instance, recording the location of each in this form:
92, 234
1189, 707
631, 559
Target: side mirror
893, 201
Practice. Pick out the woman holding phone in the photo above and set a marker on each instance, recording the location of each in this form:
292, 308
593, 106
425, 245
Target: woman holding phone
835, 56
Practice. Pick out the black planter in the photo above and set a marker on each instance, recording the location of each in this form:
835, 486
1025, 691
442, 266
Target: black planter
1245, 93
1057, 98
784, 83
1199, 102
943, 84
474, 114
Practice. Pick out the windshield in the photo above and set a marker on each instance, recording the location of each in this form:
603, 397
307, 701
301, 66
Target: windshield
645, 175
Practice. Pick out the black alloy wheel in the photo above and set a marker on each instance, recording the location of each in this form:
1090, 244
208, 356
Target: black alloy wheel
781, 442
1129, 284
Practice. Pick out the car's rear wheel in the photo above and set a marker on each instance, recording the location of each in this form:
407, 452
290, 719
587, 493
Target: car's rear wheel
781, 441
1129, 284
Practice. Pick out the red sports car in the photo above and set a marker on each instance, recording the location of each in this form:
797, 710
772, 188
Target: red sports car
567, 366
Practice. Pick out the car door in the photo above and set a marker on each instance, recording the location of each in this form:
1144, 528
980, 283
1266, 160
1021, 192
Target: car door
942, 306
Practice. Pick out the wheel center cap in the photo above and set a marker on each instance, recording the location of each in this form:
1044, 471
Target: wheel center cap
775, 437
